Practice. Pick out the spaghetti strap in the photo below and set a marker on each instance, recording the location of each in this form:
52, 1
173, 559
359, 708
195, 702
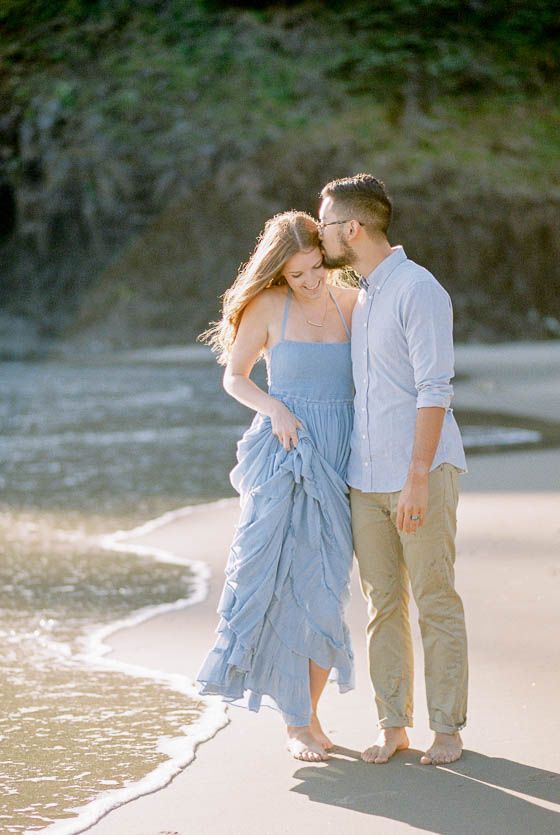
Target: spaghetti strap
285, 319
341, 314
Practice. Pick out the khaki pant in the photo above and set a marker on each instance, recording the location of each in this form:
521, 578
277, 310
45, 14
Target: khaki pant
388, 560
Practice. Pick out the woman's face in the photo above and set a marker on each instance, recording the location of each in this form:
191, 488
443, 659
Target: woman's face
306, 274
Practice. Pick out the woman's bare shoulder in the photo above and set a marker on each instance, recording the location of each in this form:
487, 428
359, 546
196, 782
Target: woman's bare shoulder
346, 295
274, 295
266, 302
349, 292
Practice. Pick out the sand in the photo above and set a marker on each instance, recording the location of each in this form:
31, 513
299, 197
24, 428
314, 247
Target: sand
508, 572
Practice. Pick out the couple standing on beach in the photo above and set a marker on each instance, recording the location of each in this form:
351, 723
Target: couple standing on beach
353, 448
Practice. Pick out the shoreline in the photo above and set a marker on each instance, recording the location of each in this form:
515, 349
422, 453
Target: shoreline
180, 750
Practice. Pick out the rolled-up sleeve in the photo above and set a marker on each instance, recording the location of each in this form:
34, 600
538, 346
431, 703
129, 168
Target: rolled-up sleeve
427, 317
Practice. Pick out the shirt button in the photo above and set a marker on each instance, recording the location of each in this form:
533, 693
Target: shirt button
365, 379
365, 324
363, 408
366, 463
364, 437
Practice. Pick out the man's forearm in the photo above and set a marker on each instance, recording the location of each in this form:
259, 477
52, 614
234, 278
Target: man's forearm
429, 422
413, 500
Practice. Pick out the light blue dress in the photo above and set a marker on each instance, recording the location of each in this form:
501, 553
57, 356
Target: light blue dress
287, 576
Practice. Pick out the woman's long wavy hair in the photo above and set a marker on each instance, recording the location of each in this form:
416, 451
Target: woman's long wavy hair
284, 235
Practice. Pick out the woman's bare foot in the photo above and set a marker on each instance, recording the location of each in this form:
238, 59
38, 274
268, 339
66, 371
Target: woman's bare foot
319, 733
446, 748
303, 745
389, 741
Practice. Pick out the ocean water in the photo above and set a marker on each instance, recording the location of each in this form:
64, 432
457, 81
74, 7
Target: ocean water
88, 448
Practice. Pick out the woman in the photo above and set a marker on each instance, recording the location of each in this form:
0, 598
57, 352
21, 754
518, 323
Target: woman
282, 627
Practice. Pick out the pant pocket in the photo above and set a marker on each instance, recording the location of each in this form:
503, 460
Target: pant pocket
453, 481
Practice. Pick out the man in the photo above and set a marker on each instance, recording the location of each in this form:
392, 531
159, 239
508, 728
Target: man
403, 470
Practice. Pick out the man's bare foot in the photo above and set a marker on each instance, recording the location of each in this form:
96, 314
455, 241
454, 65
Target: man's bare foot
319, 733
303, 745
446, 748
389, 741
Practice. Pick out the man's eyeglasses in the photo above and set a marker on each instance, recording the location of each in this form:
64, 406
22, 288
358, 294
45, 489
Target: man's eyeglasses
321, 225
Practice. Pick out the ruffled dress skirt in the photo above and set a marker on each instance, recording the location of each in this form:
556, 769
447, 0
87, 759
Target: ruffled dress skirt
288, 571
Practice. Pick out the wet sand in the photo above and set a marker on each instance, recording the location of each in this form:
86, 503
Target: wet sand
508, 572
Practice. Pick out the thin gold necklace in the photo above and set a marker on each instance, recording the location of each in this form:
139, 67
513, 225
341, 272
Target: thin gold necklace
309, 322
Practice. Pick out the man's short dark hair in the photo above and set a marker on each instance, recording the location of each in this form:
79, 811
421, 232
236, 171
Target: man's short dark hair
362, 197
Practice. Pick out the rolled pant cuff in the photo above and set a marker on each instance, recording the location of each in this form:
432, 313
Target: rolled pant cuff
405, 722
446, 729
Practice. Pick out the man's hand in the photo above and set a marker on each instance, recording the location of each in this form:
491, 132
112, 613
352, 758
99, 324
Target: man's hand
413, 503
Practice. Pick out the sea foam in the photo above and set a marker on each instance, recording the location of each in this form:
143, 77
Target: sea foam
180, 750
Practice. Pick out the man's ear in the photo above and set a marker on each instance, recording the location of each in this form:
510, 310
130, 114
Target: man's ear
353, 229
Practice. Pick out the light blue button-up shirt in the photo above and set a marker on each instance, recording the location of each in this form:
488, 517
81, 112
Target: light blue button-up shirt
402, 359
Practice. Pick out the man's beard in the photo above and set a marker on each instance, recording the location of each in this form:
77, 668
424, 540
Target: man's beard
347, 258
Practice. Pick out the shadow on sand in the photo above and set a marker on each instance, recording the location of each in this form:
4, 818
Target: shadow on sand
478, 795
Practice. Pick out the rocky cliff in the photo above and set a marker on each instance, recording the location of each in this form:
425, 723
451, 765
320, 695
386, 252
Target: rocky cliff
141, 151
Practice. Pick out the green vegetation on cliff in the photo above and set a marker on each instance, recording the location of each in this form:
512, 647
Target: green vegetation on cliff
144, 143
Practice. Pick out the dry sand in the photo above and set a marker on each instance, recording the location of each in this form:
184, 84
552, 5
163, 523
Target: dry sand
508, 572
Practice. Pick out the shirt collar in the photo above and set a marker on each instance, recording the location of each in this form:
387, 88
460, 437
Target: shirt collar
379, 275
